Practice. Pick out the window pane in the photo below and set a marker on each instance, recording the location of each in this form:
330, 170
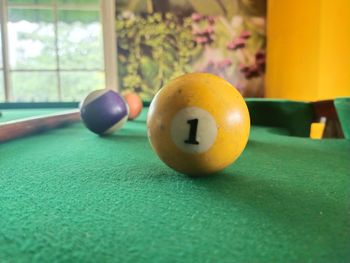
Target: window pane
1, 66
76, 85
82, 2
34, 86
80, 40
32, 39
29, 2
2, 88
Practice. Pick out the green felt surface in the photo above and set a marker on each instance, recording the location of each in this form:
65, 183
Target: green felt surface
70, 196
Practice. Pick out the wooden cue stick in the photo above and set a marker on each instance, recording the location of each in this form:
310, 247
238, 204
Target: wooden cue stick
19, 128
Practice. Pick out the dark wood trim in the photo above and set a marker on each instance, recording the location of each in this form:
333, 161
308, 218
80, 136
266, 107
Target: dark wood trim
326, 109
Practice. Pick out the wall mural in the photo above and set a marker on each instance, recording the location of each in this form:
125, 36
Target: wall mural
161, 39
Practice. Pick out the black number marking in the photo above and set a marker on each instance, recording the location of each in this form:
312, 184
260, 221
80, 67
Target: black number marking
193, 132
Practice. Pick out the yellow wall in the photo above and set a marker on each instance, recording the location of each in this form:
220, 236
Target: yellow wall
308, 49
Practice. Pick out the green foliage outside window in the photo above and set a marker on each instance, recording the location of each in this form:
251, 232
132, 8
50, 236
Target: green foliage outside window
35, 71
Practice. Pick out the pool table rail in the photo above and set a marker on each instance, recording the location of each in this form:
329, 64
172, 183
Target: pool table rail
19, 128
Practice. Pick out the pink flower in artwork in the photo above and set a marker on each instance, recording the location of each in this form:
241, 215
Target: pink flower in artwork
230, 46
245, 34
209, 30
249, 71
227, 62
196, 32
243, 68
260, 57
239, 42
252, 72
201, 40
205, 36
224, 63
260, 60
211, 20
236, 44
196, 17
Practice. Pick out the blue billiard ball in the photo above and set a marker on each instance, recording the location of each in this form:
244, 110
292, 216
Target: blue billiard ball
104, 111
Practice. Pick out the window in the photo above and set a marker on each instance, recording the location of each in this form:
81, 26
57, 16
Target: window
55, 50
2, 87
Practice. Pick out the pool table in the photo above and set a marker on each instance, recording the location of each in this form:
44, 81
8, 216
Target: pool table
68, 195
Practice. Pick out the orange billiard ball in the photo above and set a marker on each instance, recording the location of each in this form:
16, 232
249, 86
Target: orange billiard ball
198, 124
134, 103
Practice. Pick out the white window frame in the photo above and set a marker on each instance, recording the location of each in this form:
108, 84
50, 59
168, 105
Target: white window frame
106, 9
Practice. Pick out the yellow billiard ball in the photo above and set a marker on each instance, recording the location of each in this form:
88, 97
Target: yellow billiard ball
198, 124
